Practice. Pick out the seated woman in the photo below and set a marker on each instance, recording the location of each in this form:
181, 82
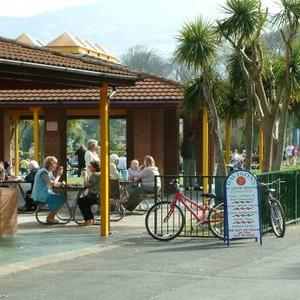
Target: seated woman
113, 170
146, 178
92, 183
32, 171
43, 182
134, 168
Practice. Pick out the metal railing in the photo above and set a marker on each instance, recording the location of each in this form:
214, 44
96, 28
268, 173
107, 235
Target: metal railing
288, 194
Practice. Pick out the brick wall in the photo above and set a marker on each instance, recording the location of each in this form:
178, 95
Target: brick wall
171, 141
55, 142
153, 132
4, 136
157, 138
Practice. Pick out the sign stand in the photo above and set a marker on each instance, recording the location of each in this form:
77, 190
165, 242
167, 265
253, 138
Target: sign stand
242, 207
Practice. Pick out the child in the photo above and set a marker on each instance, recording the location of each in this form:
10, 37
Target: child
134, 168
92, 183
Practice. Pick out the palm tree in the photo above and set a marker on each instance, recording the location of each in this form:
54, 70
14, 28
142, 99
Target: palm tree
242, 27
231, 108
197, 48
243, 88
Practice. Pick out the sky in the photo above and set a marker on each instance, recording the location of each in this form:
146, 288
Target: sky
27, 8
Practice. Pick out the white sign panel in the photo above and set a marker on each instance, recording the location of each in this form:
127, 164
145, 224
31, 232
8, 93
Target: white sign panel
242, 206
51, 126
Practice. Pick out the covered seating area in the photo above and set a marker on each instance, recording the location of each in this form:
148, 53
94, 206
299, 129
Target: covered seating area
38, 83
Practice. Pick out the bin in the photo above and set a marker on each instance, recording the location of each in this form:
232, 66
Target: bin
8, 211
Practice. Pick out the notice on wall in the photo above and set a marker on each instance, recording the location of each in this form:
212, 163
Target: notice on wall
51, 126
242, 205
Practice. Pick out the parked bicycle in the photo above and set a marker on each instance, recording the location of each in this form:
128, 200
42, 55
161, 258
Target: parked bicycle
277, 216
165, 220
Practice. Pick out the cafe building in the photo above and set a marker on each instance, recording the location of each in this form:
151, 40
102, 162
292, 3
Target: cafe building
71, 78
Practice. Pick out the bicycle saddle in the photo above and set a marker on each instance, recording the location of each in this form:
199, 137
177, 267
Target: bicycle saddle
209, 195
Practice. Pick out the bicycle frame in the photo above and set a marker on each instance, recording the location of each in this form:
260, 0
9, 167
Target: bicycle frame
185, 200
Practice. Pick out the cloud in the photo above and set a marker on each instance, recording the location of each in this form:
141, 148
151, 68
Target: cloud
21, 8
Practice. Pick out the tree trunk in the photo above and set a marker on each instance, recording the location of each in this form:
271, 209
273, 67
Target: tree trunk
207, 89
249, 128
281, 137
268, 125
227, 140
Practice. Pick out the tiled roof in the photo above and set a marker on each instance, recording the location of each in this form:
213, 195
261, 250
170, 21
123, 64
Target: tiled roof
12, 50
151, 89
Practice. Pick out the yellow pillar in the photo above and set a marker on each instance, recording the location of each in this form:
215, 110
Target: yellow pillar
261, 146
35, 111
205, 148
227, 141
104, 181
16, 121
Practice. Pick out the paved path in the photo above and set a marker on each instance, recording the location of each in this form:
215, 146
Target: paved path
141, 268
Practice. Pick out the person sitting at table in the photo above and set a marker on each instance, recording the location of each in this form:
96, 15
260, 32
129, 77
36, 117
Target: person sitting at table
24, 165
146, 179
113, 170
33, 168
92, 183
7, 168
134, 168
43, 182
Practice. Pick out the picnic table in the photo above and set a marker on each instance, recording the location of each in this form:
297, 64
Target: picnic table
67, 212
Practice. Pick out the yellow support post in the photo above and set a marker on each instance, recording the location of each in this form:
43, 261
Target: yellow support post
205, 148
16, 120
104, 180
261, 146
35, 111
227, 141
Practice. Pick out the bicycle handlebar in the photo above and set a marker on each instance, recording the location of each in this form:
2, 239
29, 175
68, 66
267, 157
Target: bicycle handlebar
275, 181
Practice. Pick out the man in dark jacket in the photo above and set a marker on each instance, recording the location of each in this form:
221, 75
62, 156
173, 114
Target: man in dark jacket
189, 161
80, 153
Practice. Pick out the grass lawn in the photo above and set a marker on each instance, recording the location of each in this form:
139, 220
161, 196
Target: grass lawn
286, 168
73, 180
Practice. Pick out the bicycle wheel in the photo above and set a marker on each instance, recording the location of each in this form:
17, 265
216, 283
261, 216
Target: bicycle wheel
164, 221
216, 220
277, 218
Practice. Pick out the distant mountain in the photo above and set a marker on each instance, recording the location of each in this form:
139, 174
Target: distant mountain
115, 24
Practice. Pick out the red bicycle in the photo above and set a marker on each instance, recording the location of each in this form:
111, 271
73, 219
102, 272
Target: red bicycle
165, 220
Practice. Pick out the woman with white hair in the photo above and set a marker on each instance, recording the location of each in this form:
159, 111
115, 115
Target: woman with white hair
113, 170
91, 154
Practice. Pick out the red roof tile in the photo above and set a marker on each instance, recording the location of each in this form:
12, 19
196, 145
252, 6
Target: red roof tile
153, 88
12, 50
